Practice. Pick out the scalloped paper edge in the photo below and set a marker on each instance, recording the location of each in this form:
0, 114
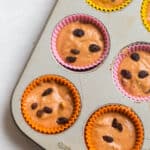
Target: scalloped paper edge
58, 79
117, 108
144, 46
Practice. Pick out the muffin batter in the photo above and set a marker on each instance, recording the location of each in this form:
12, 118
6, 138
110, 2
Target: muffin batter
49, 105
148, 13
134, 73
113, 131
80, 44
108, 3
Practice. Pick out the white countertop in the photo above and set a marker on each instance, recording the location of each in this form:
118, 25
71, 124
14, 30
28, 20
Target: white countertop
20, 25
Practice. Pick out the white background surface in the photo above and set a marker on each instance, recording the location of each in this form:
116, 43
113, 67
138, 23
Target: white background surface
21, 22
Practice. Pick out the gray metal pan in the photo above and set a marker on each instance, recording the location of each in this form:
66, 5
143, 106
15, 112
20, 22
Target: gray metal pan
124, 27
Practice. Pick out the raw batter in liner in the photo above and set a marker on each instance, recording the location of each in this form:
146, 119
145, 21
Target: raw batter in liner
148, 13
108, 3
80, 44
49, 105
134, 73
113, 131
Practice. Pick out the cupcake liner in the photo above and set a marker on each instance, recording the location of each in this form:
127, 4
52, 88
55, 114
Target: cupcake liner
145, 4
62, 81
137, 46
86, 19
116, 108
111, 9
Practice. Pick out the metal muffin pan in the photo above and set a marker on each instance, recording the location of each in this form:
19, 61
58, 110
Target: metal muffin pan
96, 86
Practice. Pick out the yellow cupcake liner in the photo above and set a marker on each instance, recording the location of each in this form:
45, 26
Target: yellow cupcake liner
145, 4
116, 108
111, 9
62, 81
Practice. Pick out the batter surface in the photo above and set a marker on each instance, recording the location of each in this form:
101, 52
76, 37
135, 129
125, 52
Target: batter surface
113, 131
49, 105
148, 13
134, 73
108, 3
80, 44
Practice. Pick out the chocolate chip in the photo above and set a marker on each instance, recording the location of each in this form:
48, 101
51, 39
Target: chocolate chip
62, 120
39, 113
113, 0
70, 59
75, 51
108, 139
78, 32
117, 125
34, 106
142, 74
126, 74
94, 48
47, 92
47, 110
114, 123
135, 56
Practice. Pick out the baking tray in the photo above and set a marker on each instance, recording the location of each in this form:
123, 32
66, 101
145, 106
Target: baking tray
96, 86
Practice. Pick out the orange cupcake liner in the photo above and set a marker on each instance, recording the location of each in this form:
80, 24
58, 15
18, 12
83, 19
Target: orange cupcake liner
111, 9
145, 4
62, 81
116, 108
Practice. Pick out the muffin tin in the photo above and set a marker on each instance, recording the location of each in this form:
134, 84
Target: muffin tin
124, 27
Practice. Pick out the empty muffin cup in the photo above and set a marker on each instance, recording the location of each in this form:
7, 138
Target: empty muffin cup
50, 104
80, 42
131, 71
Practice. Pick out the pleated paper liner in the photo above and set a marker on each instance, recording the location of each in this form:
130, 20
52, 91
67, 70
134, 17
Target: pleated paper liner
144, 14
122, 110
37, 125
126, 52
85, 19
98, 4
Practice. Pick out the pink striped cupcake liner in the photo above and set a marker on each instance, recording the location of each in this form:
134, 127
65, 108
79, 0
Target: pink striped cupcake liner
85, 19
137, 46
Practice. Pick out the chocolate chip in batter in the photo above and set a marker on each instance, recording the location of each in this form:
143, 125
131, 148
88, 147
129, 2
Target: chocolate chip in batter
94, 48
39, 113
34, 106
135, 56
47, 110
114, 123
126, 74
75, 51
71, 59
117, 125
47, 92
142, 74
113, 0
78, 32
108, 139
62, 120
